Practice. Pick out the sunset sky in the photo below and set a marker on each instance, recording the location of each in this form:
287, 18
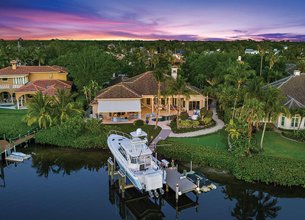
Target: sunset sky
152, 20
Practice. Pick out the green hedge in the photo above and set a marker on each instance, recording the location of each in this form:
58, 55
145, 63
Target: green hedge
298, 135
258, 168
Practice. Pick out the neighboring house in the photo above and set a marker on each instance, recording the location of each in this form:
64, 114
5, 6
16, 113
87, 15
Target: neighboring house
293, 87
135, 98
251, 51
14, 80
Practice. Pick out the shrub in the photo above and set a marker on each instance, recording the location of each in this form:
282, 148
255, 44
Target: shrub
206, 120
185, 124
203, 112
184, 116
196, 124
138, 122
258, 168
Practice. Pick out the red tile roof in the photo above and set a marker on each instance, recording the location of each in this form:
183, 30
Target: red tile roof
48, 87
23, 70
135, 87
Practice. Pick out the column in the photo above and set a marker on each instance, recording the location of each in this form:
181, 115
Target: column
18, 103
187, 105
169, 105
152, 105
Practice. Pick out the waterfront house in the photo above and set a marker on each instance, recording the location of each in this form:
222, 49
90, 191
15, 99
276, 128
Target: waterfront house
136, 98
293, 88
251, 51
17, 83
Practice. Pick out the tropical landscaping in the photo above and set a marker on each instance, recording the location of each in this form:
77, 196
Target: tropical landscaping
250, 147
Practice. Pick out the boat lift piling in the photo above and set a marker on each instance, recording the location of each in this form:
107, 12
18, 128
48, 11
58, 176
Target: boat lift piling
121, 177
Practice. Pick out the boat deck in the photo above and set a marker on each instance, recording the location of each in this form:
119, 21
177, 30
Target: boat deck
173, 177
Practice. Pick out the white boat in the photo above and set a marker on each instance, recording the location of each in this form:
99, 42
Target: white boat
135, 158
22, 155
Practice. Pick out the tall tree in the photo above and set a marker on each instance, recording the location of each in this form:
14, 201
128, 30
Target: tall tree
65, 107
160, 77
40, 111
273, 106
179, 88
239, 73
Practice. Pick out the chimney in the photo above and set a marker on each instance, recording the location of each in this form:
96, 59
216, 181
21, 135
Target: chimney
174, 72
297, 72
14, 64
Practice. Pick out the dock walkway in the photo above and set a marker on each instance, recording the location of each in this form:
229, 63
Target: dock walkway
175, 179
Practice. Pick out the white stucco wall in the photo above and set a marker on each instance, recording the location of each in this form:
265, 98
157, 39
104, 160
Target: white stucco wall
127, 105
287, 124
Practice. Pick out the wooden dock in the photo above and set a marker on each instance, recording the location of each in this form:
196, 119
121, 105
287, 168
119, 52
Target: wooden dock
177, 181
7, 146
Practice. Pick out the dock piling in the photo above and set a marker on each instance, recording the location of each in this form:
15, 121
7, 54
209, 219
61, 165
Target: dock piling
177, 193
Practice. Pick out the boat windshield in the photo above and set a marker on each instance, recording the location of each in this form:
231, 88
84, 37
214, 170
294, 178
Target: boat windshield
144, 159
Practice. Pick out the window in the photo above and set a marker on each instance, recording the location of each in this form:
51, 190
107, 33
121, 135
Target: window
4, 79
194, 105
283, 120
134, 160
123, 152
295, 121
148, 101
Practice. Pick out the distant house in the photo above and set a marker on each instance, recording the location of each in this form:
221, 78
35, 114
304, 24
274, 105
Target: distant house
251, 51
293, 87
135, 98
18, 83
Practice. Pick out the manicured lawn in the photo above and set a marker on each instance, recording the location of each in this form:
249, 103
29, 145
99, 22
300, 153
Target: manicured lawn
11, 122
218, 140
127, 128
274, 144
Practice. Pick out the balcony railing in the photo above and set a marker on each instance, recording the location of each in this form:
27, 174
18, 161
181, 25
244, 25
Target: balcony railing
8, 86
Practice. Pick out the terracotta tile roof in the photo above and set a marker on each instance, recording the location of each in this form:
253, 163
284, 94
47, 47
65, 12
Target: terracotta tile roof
135, 87
117, 91
23, 70
293, 87
48, 87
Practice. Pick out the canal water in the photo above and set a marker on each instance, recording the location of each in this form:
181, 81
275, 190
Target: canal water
70, 184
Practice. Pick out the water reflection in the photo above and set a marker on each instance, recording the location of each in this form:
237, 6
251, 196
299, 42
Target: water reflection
2, 177
250, 203
135, 205
78, 181
66, 161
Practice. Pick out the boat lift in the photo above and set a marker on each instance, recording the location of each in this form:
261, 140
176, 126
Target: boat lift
174, 180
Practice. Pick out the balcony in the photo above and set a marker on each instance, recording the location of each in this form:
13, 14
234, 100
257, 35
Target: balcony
8, 86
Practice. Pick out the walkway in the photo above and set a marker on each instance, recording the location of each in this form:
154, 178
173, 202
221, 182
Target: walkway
167, 132
219, 125
5, 145
164, 133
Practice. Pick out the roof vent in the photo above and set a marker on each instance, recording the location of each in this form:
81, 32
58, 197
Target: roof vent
297, 72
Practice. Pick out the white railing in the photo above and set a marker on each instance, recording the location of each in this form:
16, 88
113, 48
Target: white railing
8, 86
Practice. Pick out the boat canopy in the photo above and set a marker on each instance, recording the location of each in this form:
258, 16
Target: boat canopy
138, 133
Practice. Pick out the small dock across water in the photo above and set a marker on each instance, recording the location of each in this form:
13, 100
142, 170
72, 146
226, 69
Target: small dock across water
7, 146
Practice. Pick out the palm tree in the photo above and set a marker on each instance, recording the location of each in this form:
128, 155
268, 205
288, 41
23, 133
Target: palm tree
262, 51
91, 90
273, 106
64, 105
179, 88
239, 73
40, 111
159, 75
251, 112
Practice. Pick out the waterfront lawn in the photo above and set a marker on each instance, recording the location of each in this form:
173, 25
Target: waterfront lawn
127, 128
278, 146
215, 140
281, 162
11, 123
274, 144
